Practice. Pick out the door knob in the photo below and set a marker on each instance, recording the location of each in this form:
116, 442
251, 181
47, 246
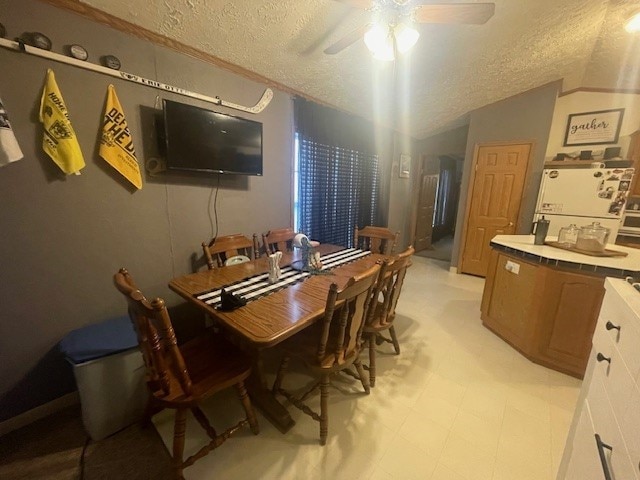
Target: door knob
511, 224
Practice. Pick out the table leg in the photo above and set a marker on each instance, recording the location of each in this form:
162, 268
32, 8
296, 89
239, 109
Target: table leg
264, 399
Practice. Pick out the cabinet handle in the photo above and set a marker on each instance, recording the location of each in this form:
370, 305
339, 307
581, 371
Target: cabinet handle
611, 326
601, 358
603, 460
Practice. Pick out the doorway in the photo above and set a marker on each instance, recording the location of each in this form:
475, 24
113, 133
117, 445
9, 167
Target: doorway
498, 177
437, 206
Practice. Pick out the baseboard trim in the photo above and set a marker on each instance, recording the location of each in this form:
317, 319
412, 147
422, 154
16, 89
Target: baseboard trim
453, 269
39, 412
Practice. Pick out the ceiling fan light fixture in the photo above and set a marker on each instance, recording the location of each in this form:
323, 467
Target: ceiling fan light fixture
633, 24
406, 37
379, 41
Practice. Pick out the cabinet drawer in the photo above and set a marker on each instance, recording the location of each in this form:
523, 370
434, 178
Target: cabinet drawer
630, 428
585, 462
605, 424
626, 337
612, 372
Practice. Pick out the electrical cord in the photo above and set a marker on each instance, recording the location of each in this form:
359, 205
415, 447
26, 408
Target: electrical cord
214, 235
84, 451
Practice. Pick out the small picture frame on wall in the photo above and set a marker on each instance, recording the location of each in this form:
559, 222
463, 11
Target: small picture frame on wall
593, 128
405, 166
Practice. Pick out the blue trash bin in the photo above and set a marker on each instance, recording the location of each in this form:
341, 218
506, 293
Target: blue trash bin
110, 375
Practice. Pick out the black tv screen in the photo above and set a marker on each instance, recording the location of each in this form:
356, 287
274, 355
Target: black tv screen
201, 140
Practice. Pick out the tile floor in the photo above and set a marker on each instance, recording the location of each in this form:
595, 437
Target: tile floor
457, 404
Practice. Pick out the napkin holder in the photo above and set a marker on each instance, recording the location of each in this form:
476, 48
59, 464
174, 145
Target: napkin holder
274, 267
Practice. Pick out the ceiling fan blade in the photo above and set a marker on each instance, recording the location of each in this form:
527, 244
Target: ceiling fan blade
470, 13
363, 4
349, 39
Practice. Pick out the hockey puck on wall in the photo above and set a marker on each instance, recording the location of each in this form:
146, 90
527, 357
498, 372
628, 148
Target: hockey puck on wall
78, 51
111, 61
156, 165
38, 40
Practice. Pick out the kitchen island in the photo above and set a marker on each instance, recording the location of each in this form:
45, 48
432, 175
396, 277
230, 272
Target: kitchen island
545, 301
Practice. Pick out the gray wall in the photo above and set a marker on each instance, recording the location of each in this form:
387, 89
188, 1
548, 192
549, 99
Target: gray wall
450, 142
523, 117
64, 238
400, 189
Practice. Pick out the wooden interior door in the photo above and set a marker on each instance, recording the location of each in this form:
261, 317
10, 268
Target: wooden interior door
426, 207
494, 201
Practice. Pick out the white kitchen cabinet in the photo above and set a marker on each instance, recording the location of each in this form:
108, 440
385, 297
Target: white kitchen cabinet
609, 403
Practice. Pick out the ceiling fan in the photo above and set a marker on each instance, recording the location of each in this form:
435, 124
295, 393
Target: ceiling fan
392, 32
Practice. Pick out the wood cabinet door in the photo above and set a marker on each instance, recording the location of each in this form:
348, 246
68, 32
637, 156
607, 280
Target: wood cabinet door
494, 203
507, 305
572, 304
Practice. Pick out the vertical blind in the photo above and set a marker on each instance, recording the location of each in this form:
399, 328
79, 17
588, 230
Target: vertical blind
337, 191
338, 174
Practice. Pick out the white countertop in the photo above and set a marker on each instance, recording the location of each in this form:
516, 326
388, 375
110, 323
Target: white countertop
524, 243
629, 295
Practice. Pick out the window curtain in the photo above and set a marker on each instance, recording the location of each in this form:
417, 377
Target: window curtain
338, 173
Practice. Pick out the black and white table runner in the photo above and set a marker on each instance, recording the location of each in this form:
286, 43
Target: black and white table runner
258, 286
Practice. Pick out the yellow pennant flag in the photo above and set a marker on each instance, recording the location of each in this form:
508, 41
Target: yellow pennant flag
116, 145
59, 140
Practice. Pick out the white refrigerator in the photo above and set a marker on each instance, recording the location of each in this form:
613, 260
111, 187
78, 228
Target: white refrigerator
583, 196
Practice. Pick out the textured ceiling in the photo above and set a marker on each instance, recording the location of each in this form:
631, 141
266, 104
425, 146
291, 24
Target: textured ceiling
452, 70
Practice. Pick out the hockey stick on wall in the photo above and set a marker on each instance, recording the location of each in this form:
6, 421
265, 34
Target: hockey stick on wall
21, 47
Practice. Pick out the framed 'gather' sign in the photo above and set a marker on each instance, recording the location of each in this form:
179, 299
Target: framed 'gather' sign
594, 128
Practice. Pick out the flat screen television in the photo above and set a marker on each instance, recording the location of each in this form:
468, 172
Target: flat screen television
201, 140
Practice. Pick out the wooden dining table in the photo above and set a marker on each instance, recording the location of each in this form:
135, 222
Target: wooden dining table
268, 320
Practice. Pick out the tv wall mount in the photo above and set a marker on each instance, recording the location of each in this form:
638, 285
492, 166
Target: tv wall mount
20, 46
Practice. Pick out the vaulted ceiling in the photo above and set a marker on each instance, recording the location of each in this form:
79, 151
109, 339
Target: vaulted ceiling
452, 70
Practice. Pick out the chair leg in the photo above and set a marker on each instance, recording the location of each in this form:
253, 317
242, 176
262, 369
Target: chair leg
277, 384
149, 411
363, 376
324, 409
394, 339
179, 429
372, 359
248, 408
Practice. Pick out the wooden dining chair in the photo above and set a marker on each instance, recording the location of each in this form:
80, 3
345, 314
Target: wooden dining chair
376, 239
382, 312
331, 345
280, 239
220, 249
181, 377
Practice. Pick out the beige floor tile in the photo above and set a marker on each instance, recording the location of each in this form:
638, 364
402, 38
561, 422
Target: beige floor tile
483, 433
485, 400
404, 461
513, 468
445, 389
380, 474
470, 460
436, 409
531, 399
424, 434
445, 473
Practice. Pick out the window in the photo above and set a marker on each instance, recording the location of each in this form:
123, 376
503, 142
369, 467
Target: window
336, 173
336, 190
